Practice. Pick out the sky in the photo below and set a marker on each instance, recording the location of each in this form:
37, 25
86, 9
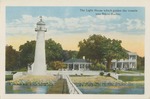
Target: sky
68, 25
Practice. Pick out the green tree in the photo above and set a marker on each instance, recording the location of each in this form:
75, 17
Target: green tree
140, 63
68, 54
114, 50
27, 52
11, 59
102, 67
99, 49
93, 48
54, 51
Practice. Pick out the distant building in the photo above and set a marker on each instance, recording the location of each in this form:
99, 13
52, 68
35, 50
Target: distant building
122, 64
125, 64
77, 64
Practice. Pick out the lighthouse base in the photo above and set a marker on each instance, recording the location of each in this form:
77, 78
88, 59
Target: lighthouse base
37, 71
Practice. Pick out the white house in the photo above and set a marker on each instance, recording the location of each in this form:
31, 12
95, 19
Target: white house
126, 64
122, 64
77, 64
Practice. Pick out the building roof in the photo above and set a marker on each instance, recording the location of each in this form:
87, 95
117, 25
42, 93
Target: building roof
41, 21
76, 60
131, 53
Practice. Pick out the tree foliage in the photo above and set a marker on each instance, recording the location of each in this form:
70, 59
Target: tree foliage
114, 50
27, 52
68, 54
53, 51
11, 59
93, 48
99, 49
98, 66
55, 65
140, 63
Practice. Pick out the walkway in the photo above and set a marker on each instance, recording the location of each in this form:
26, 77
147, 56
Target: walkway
64, 86
60, 87
71, 86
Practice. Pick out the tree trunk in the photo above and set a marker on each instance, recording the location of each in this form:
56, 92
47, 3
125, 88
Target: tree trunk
108, 65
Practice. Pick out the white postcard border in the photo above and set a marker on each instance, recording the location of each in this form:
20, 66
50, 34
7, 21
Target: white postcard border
115, 3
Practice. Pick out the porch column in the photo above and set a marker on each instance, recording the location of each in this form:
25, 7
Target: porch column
131, 65
122, 65
116, 64
136, 62
84, 66
67, 66
73, 66
79, 66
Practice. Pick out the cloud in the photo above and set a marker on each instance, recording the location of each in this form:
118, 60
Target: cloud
85, 24
135, 24
108, 17
27, 19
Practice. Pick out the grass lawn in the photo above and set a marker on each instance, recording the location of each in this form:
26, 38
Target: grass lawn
92, 79
34, 80
9, 77
131, 71
140, 71
21, 70
131, 78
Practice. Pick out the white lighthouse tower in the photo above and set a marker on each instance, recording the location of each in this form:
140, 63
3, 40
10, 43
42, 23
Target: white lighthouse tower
39, 66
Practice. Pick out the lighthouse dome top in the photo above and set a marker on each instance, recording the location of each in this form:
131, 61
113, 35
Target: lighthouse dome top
41, 21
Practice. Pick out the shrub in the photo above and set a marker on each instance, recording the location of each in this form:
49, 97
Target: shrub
101, 73
14, 72
114, 70
102, 67
98, 66
108, 74
130, 69
56, 65
118, 71
106, 70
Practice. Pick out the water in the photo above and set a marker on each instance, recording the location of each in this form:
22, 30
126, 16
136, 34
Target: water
107, 90
24, 89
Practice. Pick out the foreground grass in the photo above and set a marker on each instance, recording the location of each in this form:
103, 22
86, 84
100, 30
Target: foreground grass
92, 79
9, 77
34, 80
105, 81
130, 72
131, 78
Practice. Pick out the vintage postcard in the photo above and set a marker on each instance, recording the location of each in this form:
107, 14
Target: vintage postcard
65, 50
